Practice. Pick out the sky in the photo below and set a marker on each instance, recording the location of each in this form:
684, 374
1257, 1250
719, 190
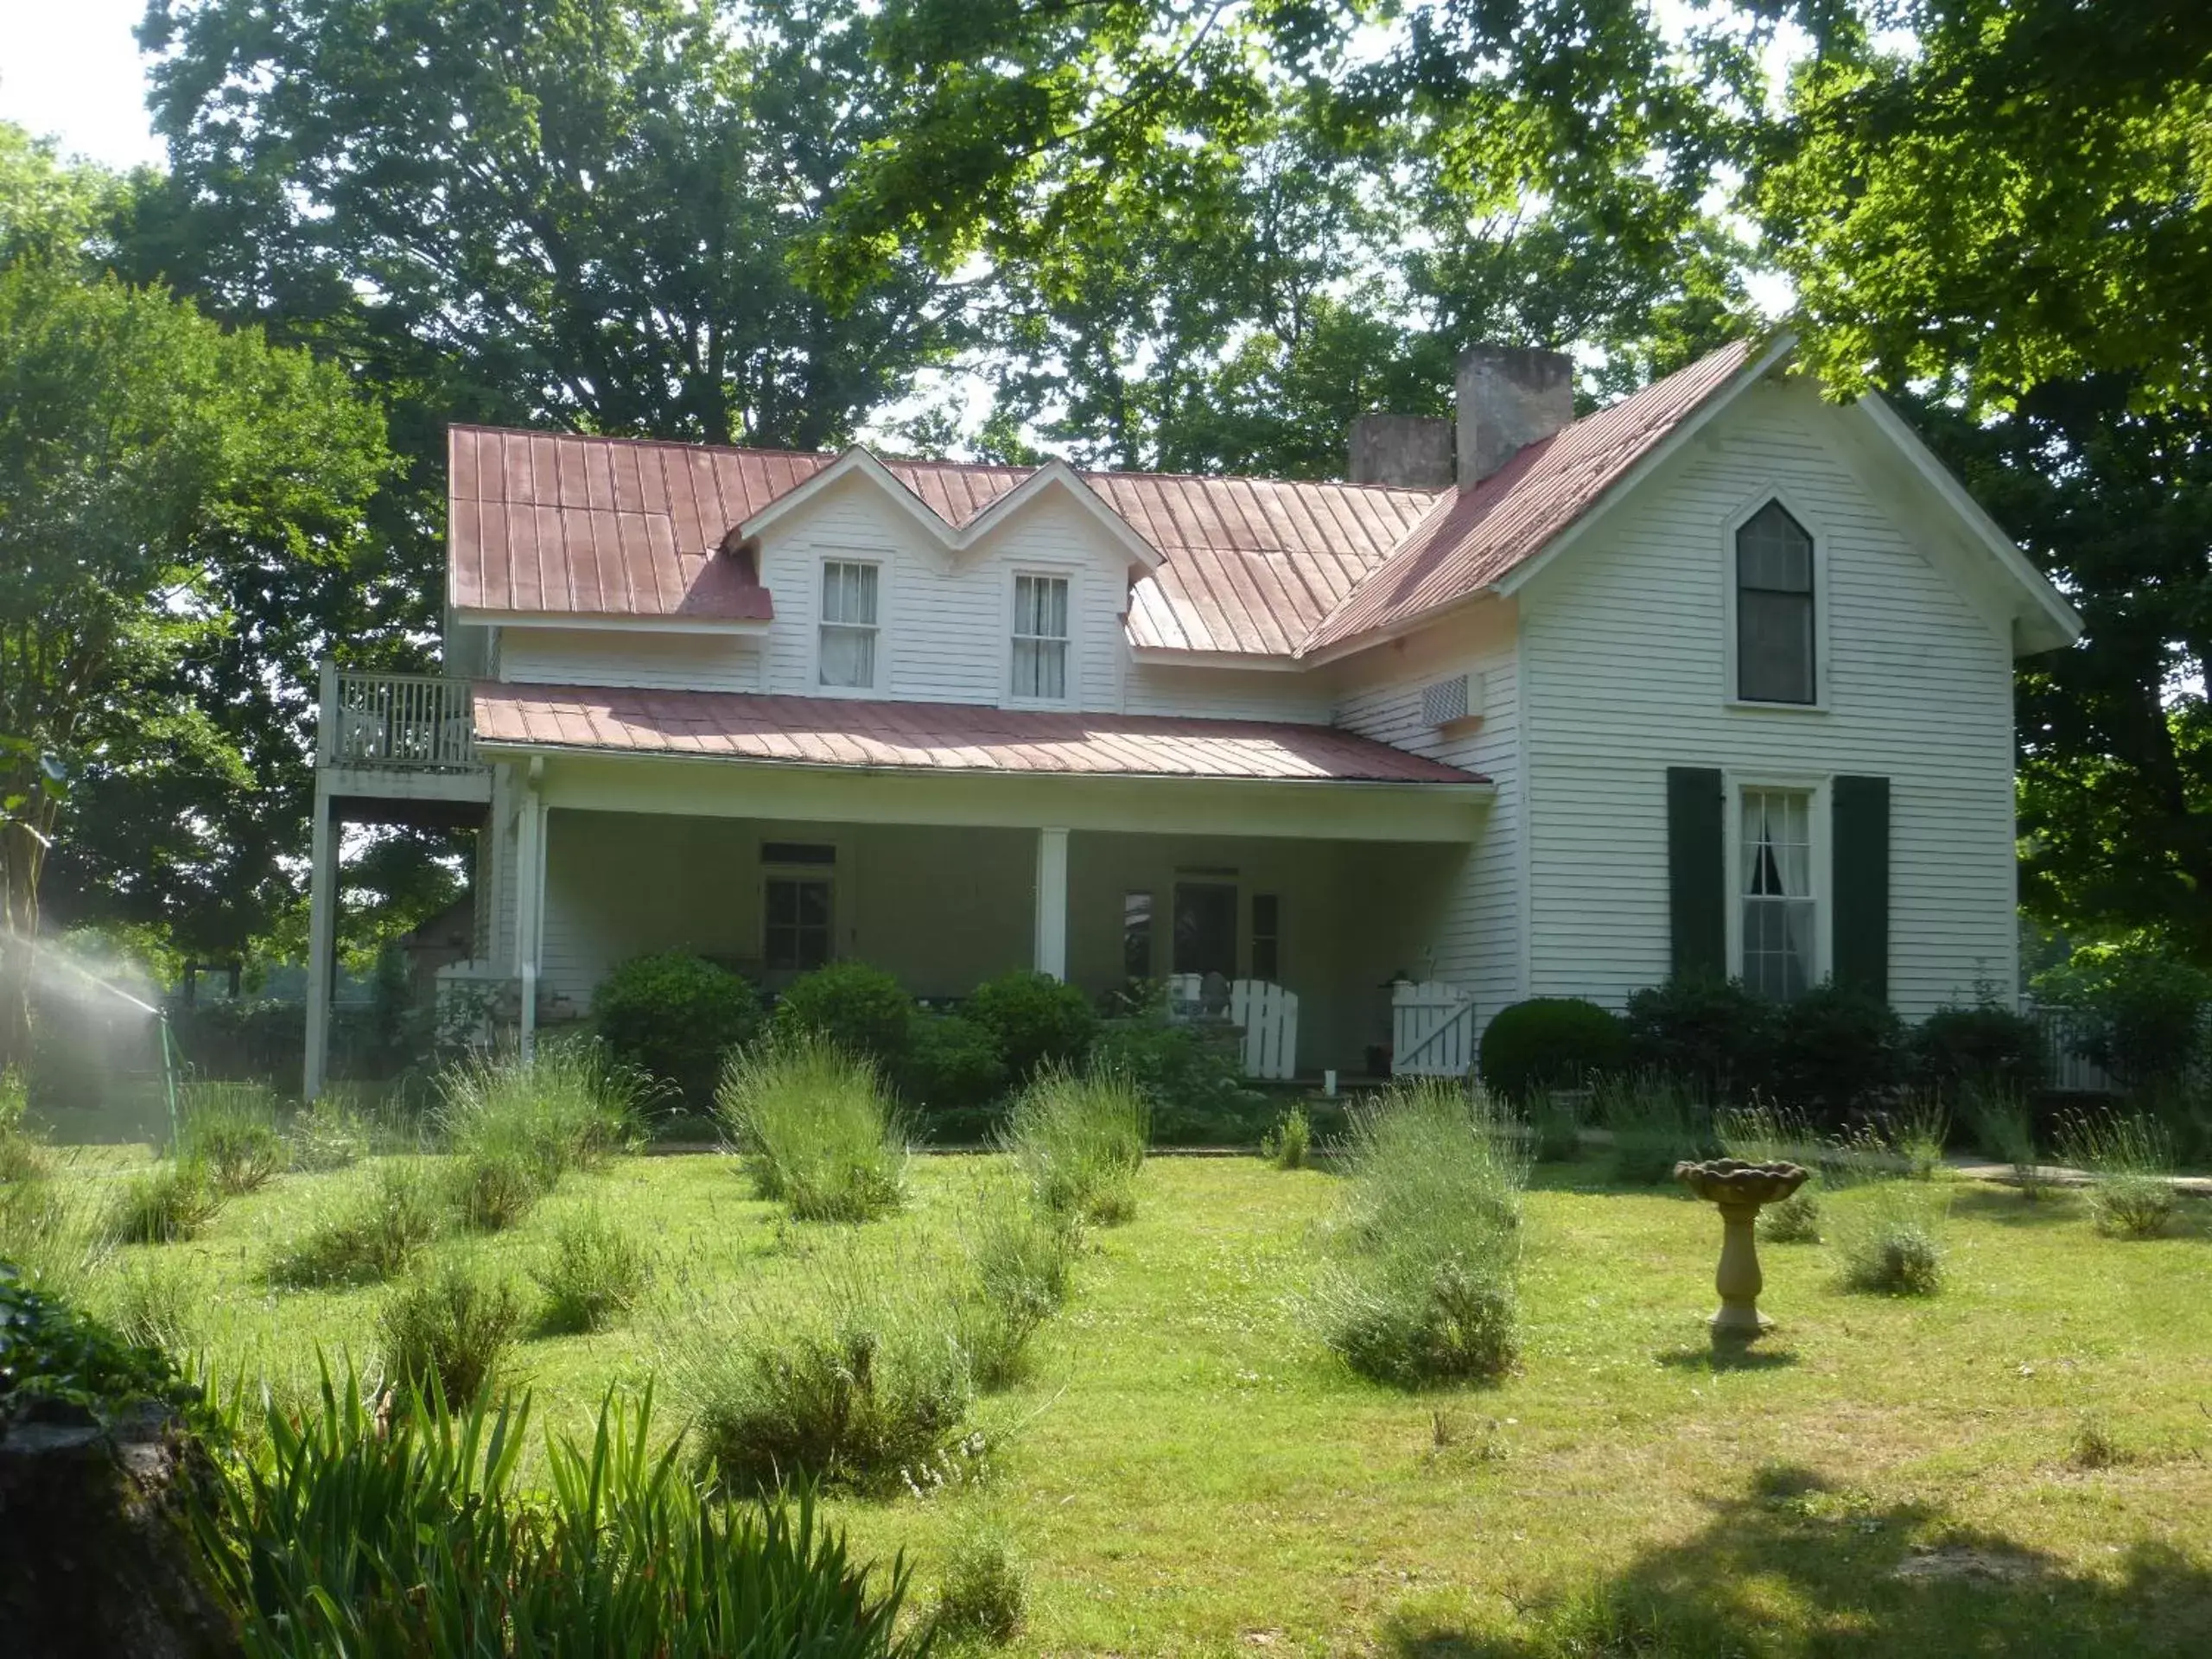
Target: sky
70, 70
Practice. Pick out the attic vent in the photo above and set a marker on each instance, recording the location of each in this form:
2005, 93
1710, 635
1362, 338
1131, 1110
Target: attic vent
1444, 701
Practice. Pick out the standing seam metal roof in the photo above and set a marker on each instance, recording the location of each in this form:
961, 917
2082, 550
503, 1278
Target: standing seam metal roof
568, 524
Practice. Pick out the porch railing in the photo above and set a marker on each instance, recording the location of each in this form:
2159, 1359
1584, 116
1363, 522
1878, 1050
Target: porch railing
418, 723
1265, 1014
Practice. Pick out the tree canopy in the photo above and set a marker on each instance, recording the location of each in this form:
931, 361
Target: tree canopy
153, 463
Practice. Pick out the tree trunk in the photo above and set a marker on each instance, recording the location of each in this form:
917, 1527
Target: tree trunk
19, 861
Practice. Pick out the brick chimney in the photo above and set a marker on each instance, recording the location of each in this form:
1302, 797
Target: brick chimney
1410, 452
1511, 396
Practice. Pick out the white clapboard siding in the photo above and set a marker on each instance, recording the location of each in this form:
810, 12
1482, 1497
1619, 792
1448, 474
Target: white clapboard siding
658, 660
1265, 1013
1624, 645
1431, 1030
1476, 940
1304, 698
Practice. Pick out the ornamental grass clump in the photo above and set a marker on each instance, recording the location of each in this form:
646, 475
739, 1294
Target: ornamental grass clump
1289, 1144
816, 1129
448, 1331
591, 1273
1889, 1238
372, 1235
851, 1374
172, 1201
1079, 1141
328, 1135
2004, 1127
514, 1126
230, 1128
55, 1234
336, 1530
2128, 1159
1655, 1123
1422, 1283
1018, 1268
982, 1597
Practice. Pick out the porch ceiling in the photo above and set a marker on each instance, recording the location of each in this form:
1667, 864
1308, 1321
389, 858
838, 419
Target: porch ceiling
959, 738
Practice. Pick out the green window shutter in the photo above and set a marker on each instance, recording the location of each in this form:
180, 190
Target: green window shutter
1860, 820
1697, 872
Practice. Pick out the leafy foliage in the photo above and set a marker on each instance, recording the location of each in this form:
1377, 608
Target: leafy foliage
1712, 1034
950, 1062
1550, 1042
57, 1361
674, 1017
1979, 1050
2144, 1007
1834, 1050
331, 1533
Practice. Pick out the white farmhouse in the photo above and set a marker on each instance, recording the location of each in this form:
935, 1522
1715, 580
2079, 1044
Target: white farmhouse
1717, 679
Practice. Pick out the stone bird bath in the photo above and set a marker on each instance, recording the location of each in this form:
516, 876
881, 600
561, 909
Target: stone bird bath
1739, 1190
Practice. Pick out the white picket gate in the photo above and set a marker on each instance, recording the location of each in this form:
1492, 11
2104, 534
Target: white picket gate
1431, 1030
1264, 1013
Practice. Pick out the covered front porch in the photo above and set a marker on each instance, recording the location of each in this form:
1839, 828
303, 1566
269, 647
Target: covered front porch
946, 843
946, 906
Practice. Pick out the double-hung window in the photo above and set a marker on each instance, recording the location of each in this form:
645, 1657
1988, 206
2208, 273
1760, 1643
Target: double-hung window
1041, 638
1780, 918
1774, 609
846, 656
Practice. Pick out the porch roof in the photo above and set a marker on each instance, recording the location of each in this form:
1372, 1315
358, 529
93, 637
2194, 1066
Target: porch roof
938, 737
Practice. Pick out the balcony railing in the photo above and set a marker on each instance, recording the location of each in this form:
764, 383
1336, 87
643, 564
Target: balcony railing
412, 722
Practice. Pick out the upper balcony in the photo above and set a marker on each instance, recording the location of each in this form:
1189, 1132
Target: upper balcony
398, 738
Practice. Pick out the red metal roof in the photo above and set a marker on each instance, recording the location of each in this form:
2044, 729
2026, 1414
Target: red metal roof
938, 736
1472, 537
564, 522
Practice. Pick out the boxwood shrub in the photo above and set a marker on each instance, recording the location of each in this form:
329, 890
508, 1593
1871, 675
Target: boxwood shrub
1037, 1021
860, 1009
1710, 1035
1550, 1042
674, 1016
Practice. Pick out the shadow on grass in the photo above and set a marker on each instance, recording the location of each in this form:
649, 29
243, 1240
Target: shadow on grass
1795, 1566
1727, 1356
2008, 1207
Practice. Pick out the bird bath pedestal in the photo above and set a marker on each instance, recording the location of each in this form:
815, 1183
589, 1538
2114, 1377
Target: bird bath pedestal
1739, 1190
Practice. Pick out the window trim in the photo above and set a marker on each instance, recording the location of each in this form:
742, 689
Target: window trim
1816, 786
1823, 659
1072, 575
823, 558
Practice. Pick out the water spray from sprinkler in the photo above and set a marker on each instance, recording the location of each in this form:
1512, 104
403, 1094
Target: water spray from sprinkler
161, 1017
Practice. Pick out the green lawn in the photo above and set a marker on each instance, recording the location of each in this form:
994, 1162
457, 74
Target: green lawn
1190, 1473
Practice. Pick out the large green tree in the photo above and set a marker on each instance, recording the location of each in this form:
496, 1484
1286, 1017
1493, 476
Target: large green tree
149, 458
1993, 193
575, 211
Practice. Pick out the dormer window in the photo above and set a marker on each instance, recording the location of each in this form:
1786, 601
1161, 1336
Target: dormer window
847, 653
1774, 609
1040, 639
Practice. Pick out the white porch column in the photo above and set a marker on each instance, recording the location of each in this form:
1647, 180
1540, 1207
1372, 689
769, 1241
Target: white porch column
322, 930
1052, 903
529, 902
